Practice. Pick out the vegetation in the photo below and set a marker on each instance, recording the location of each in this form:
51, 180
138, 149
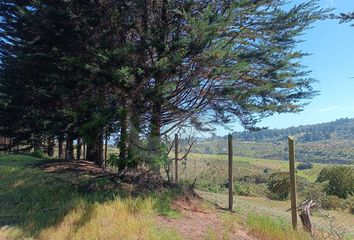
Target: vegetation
264, 227
278, 185
303, 166
42, 205
80, 72
330, 143
76, 74
340, 180
339, 129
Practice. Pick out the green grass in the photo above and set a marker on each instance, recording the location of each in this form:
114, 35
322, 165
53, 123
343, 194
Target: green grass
39, 205
197, 163
277, 212
211, 173
325, 151
268, 227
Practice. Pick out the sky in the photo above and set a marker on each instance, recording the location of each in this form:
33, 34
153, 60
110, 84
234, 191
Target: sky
331, 46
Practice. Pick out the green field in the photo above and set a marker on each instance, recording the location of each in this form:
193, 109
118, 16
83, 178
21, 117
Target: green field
197, 163
324, 151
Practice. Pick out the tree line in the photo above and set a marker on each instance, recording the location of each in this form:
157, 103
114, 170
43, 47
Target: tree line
338, 129
75, 71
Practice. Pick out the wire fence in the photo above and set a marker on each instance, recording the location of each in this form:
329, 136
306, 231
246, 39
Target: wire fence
261, 189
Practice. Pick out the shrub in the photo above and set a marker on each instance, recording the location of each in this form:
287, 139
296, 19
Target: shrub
37, 154
350, 202
244, 190
112, 159
256, 178
313, 191
279, 185
340, 180
305, 165
333, 202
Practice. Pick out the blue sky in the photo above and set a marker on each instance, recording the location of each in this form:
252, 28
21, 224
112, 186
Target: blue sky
331, 46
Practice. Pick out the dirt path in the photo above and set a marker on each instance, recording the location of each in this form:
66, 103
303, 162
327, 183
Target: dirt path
198, 223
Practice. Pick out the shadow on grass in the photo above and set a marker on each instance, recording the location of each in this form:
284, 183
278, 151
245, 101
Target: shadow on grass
33, 200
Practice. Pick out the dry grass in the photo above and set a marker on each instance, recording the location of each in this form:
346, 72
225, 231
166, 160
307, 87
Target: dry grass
119, 219
39, 205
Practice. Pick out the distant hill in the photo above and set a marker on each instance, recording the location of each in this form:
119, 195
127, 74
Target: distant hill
331, 142
341, 129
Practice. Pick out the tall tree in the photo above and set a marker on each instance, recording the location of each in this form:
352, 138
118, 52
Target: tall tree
141, 69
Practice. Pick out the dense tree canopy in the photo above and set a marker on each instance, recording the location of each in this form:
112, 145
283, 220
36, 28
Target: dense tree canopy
140, 69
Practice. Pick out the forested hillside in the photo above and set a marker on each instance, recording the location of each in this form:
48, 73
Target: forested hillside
341, 129
331, 142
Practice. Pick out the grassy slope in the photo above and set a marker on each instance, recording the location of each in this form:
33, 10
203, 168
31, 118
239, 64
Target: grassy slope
197, 163
39, 205
212, 168
247, 206
327, 151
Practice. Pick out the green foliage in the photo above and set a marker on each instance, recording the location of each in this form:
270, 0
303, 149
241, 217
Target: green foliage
37, 154
113, 159
333, 203
157, 155
340, 180
268, 227
271, 143
279, 186
83, 74
312, 191
303, 166
244, 189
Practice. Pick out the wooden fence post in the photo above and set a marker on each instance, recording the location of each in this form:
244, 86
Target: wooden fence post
231, 191
292, 182
176, 158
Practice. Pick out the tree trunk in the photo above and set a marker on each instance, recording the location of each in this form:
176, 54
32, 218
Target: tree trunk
69, 150
50, 147
84, 151
134, 141
37, 144
90, 152
60, 147
99, 159
78, 149
156, 136
122, 145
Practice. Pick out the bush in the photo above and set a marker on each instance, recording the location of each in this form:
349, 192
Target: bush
340, 180
256, 179
350, 202
313, 191
37, 154
112, 159
303, 166
279, 185
244, 190
333, 202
